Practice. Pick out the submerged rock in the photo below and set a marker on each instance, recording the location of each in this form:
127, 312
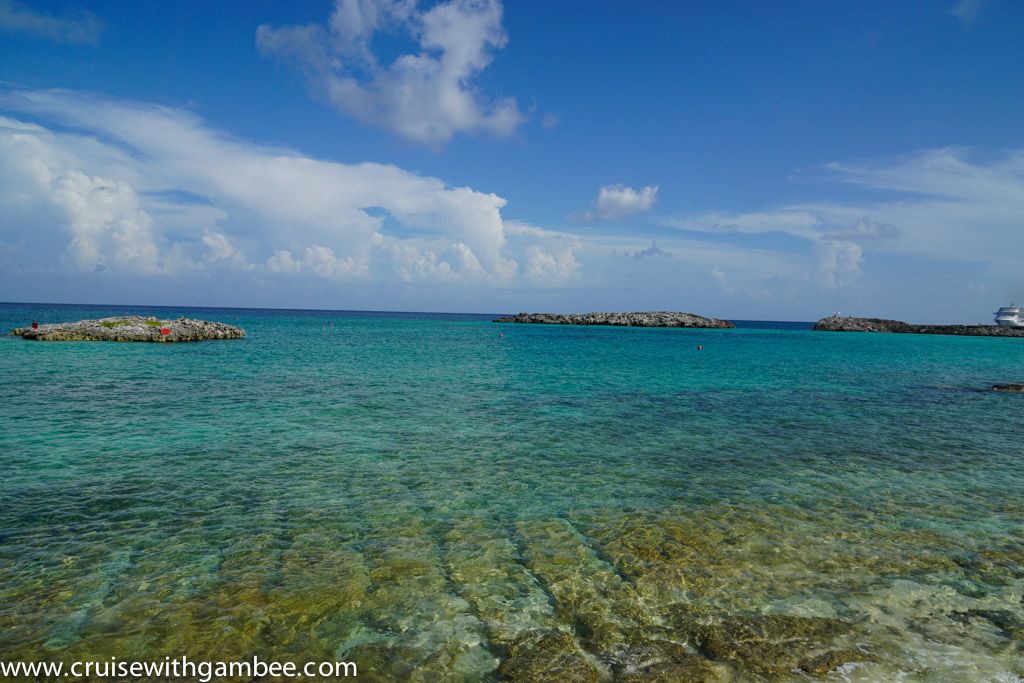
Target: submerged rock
839, 323
1008, 623
827, 662
1009, 387
131, 328
550, 657
642, 319
768, 644
663, 661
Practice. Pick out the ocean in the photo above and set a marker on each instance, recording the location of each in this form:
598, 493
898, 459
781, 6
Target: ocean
438, 497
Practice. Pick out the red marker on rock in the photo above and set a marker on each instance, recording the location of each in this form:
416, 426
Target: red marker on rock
35, 325
165, 330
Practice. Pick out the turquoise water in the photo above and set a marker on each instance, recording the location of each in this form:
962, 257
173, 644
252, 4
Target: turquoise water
433, 500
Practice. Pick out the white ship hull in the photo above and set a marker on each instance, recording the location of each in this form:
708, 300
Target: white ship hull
1010, 316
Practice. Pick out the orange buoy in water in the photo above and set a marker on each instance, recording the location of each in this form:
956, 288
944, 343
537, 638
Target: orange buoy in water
699, 347
165, 330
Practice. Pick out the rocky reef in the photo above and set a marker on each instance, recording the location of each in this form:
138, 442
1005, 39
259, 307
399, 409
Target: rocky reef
837, 323
642, 319
1012, 388
131, 328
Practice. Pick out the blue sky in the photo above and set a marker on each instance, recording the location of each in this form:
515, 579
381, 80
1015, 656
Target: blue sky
744, 159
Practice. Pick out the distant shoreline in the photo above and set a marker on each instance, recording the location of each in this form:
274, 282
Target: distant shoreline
629, 319
835, 323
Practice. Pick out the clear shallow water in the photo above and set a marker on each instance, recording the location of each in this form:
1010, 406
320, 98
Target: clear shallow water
434, 501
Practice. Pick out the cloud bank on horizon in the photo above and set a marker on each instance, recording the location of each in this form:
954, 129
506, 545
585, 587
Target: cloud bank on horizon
151, 191
939, 205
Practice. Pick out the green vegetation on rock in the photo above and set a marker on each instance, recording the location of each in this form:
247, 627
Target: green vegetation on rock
126, 321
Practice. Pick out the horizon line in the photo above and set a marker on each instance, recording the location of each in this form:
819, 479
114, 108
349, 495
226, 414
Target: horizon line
321, 310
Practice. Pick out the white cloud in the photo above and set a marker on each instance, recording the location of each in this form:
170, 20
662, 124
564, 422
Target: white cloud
325, 263
722, 280
219, 245
151, 190
839, 262
966, 10
550, 257
104, 218
976, 287
282, 261
427, 96
616, 201
73, 26
221, 249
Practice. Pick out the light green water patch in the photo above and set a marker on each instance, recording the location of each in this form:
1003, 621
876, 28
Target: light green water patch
613, 595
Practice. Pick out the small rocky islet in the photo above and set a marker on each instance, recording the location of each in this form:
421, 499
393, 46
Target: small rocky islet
133, 328
841, 323
633, 319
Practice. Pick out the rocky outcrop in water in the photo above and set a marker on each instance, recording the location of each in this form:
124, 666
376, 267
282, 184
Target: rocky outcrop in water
131, 328
837, 323
1012, 388
642, 319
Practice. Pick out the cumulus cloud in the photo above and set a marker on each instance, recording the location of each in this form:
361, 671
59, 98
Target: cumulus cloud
105, 222
839, 262
151, 190
550, 256
617, 201
73, 26
426, 96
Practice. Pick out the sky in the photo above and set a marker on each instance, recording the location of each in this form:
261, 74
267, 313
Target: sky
745, 160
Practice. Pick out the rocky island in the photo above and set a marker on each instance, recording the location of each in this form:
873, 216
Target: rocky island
838, 323
647, 319
131, 328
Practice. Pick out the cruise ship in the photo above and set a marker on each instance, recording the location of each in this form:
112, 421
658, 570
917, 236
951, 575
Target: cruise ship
1010, 316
